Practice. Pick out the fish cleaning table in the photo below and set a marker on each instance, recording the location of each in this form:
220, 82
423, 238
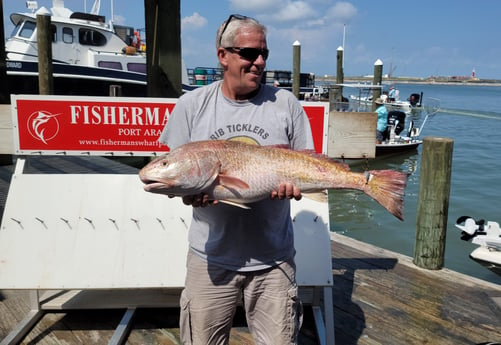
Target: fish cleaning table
99, 240
98, 235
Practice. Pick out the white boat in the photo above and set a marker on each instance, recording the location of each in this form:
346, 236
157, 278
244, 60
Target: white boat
88, 53
401, 138
366, 103
487, 235
363, 99
403, 134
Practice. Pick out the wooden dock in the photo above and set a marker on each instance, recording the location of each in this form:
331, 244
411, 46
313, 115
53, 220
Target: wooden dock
379, 297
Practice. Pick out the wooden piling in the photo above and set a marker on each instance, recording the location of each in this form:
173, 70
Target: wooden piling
115, 90
433, 202
4, 85
336, 92
378, 80
44, 39
163, 51
296, 68
339, 66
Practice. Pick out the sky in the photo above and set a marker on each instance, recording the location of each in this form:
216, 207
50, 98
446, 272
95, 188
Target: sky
412, 38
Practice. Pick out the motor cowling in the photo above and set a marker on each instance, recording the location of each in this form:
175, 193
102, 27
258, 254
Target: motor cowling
414, 99
396, 118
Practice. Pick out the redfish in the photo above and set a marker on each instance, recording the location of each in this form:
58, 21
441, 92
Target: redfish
240, 173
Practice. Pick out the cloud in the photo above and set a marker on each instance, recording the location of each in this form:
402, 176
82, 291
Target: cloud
257, 6
279, 11
193, 22
119, 19
295, 10
310, 22
342, 11
302, 13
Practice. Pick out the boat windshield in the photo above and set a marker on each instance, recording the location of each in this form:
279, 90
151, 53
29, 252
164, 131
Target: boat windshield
16, 29
90, 37
24, 29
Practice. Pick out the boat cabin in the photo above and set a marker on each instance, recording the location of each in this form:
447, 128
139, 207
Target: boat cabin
77, 39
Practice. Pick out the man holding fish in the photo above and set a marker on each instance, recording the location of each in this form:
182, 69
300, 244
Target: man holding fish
239, 151
234, 252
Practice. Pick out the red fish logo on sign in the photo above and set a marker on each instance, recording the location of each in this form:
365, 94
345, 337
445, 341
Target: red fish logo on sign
43, 126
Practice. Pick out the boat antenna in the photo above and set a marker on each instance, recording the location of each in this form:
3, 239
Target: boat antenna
96, 7
112, 14
344, 50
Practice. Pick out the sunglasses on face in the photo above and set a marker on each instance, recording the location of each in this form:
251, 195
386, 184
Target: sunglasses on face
249, 54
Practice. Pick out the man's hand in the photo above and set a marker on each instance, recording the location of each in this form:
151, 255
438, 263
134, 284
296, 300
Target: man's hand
199, 200
286, 191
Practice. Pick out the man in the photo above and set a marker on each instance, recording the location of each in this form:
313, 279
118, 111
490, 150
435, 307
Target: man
394, 93
382, 120
237, 254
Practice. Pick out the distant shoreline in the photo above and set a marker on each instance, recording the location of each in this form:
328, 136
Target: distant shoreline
457, 83
332, 79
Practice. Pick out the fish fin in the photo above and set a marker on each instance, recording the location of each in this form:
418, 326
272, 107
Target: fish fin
317, 196
387, 188
231, 182
232, 203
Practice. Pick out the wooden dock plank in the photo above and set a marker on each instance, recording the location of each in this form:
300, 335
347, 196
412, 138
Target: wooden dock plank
405, 304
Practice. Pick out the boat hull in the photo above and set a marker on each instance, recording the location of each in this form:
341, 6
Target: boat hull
22, 78
387, 148
488, 258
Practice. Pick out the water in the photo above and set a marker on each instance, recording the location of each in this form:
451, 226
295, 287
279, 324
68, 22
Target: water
471, 116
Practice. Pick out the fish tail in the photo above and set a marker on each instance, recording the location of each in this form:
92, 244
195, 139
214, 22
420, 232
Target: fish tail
387, 188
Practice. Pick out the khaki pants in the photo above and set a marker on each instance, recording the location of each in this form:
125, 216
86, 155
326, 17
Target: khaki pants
209, 301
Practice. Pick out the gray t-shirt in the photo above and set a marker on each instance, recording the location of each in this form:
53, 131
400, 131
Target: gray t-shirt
228, 236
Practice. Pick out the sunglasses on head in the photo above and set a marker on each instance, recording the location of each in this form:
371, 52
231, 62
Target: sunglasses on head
230, 18
249, 54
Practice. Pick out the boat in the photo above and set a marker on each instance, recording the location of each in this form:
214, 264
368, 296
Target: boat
88, 53
399, 137
363, 99
402, 132
487, 235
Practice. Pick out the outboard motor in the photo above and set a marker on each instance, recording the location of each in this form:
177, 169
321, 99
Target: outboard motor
398, 118
471, 227
414, 99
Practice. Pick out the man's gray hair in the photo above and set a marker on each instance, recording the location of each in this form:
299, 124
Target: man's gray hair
232, 29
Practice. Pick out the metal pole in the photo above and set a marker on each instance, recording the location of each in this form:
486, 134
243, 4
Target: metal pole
344, 37
296, 68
